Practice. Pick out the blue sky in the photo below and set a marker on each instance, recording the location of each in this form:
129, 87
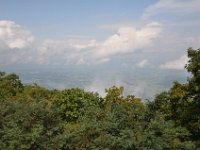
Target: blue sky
91, 32
69, 17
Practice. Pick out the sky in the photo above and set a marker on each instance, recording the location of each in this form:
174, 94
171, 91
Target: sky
134, 34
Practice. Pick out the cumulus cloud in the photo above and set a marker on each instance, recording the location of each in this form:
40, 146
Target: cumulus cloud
15, 43
25, 48
13, 35
128, 40
175, 64
170, 6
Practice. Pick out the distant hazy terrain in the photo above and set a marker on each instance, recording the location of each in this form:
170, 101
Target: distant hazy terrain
144, 83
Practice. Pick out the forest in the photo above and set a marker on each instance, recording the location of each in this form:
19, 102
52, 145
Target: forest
36, 118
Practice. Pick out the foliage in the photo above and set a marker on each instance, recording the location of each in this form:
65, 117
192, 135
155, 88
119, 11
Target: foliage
71, 102
29, 126
10, 85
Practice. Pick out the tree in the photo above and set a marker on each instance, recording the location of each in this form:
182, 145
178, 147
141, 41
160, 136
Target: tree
29, 126
162, 134
71, 102
194, 68
10, 85
182, 102
194, 93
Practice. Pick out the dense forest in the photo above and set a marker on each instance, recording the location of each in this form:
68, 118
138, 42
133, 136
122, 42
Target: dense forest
35, 118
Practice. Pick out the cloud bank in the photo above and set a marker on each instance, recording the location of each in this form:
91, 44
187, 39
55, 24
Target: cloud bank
18, 45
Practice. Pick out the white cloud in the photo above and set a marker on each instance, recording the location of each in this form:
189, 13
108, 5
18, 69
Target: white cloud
14, 36
128, 40
175, 64
143, 63
171, 6
27, 49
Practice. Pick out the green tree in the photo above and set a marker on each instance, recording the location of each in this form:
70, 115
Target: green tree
162, 134
194, 68
182, 102
72, 101
119, 128
28, 126
193, 115
10, 85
